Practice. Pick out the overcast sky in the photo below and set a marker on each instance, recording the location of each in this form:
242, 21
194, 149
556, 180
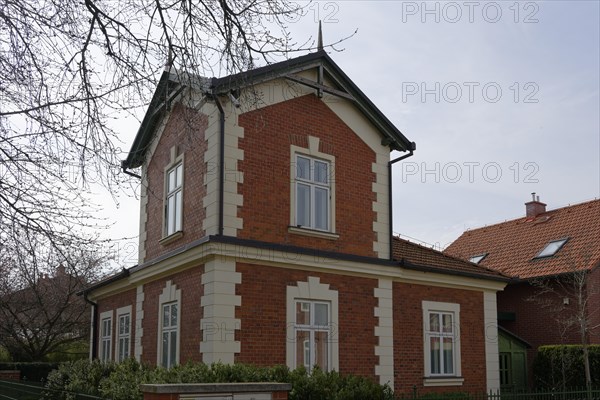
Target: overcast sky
502, 99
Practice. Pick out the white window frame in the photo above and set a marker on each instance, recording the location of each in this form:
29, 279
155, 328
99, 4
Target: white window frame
122, 351
314, 185
169, 296
173, 218
314, 155
442, 379
312, 292
105, 340
313, 328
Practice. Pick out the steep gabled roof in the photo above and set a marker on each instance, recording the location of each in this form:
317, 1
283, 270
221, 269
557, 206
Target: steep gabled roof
414, 256
171, 84
512, 246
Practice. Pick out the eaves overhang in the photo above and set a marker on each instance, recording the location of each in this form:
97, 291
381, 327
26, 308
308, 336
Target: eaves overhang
427, 268
171, 84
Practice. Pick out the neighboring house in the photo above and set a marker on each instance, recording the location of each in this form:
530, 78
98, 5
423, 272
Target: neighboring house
265, 238
547, 253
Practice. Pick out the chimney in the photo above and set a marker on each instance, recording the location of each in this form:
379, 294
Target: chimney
535, 207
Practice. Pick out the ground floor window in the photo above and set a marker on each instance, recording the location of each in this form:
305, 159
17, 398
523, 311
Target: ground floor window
312, 320
312, 334
124, 336
441, 339
105, 335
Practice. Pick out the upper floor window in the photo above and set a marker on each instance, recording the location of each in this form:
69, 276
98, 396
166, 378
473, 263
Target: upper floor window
313, 200
105, 335
174, 199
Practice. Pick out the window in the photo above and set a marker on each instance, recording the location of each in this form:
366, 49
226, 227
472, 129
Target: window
174, 199
312, 321
105, 335
440, 334
124, 336
552, 248
477, 259
312, 193
169, 332
312, 334
441, 343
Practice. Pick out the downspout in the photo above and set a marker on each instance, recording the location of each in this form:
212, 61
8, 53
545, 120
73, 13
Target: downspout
221, 161
124, 168
94, 346
391, 221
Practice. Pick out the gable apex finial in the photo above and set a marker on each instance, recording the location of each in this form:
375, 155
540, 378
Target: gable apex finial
320, 38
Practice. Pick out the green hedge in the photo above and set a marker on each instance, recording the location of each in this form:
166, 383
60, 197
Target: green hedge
33, 371
562, 366
121, 381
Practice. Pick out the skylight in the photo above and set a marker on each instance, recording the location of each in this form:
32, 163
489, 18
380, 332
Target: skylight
477, 259
551, 248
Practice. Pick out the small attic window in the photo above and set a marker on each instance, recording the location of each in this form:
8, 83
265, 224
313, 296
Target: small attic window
477, 259
551, 248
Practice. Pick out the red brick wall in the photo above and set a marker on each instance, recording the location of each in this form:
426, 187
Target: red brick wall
263, 316
268, 134
114, 302
190, 283
408, 337
594, 301
185, 128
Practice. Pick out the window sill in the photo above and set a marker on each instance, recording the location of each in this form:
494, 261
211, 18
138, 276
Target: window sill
313, 233
171, 238
443, 381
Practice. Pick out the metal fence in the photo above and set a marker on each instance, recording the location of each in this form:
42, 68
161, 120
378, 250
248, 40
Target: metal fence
20, 390
570, 394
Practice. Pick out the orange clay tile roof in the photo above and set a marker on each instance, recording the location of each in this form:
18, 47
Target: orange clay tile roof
513, 245
415, 256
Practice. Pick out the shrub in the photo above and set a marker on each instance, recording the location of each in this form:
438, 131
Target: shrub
562, 366
122, 381
30, 371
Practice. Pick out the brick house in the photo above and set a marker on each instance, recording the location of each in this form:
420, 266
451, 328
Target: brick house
548, 253
265, 238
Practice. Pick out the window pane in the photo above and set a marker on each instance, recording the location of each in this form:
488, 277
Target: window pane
448, 356
434, 343
173, 348
321, 208
434, 322
165, 349
171, 214
321, 172
127, 323
321, 315
322, 350
171, 181
302, 313
303, 349
178, 211
303, 205
302, 168
166, 315
179, 175
447, 321
174, 315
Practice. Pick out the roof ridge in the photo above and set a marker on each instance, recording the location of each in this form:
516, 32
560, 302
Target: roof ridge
525, 217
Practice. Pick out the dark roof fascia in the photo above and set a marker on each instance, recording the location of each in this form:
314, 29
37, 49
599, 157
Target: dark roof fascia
168, 84
515, 337
397, 140
122, 274
426, 268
